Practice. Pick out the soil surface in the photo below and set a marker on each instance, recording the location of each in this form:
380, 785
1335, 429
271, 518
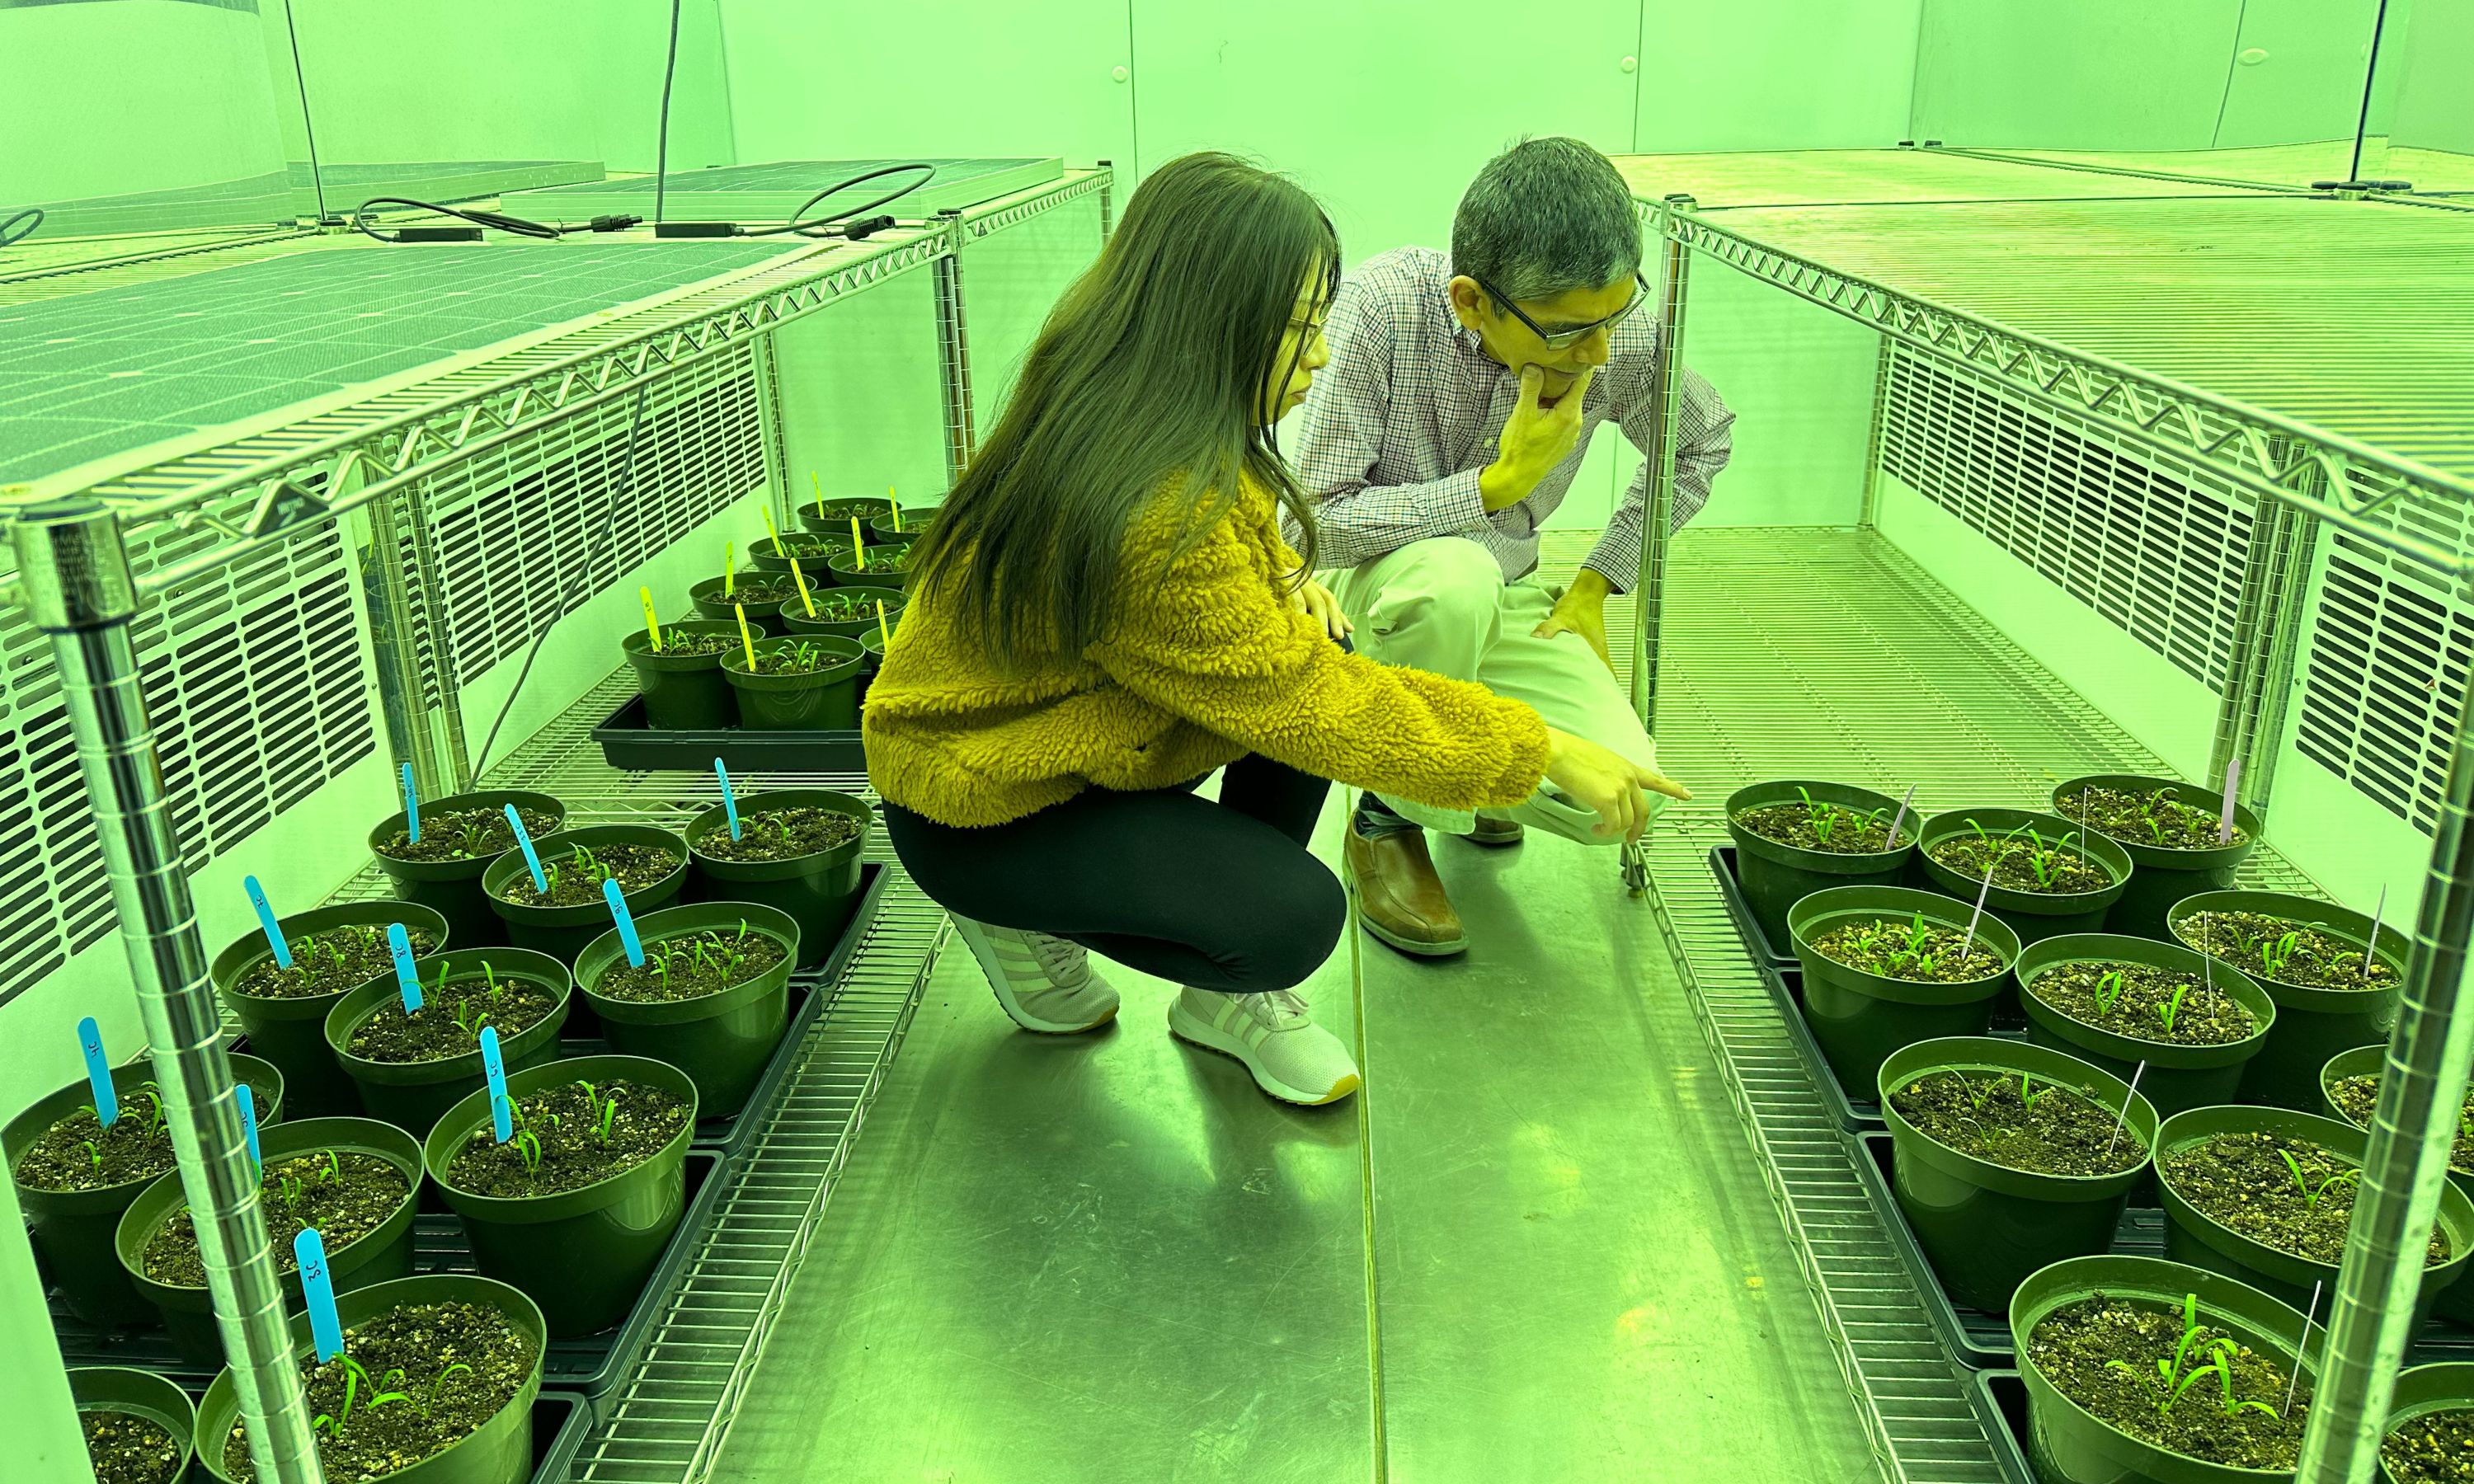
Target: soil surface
759, 589
126, 1449
2286, 951
575, 878
2150, 819
779, 834
2076, 1347
803, 544
879, 559
78, 1153
1831, 829
842, 610
867, 509
455, 1366
331, 962
346, 1196
2243, 1182
562, 1142
692, 965
464, 834
450, 1017
2030, 862
2146, 1002
2357, 1096
1911, 949
785, 658
2434, 1448
677, 641
2018, 1122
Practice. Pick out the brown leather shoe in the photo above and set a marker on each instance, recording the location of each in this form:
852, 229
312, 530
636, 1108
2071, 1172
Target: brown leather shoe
1399, 898
1494, 833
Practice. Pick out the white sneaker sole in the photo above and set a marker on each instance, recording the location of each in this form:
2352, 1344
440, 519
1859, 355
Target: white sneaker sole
1186, 1028
992, 969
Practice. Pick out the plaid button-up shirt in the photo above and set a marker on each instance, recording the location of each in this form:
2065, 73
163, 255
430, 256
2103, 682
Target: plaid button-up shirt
1399, 424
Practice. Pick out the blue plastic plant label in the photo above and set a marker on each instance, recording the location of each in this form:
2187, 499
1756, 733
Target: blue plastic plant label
266, 923
318, 1286
524, 842
98, 1072
406, 978
625, 920
729, 800
248, 1101
411, 806
502, 1121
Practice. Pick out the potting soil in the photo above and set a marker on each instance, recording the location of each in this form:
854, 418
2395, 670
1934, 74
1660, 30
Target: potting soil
465, 834
801, 547
2203, 1017
575, 879
331, 962
450, 1020
866, 509
1893, 949
412, 1350
779, 834
126, 1449
346, 1201
2436, 1447
2357, 1096
692, 965
2154, 820
766, 592
1852, 831
2316, 960
2243, 1182
2013, 861
2074, 1348
2041, 1127
792, 659
677, 641
577, 1147
78, 1153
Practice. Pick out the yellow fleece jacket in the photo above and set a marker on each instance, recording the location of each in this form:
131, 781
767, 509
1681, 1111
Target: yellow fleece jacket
1203, 664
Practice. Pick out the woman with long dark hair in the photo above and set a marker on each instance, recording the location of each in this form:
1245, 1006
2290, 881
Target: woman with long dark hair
1105, 612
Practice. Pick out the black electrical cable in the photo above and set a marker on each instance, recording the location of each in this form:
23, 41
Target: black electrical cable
818, 227
662, 130
32, 216
498, 221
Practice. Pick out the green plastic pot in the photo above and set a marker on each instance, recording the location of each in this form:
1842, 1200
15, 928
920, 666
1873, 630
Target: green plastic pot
2456, 1301
720, 1041
848, 573
819, 892
292, 1033
562, 932
1986, 1227
838, 509
825, 700
869, 663
2163, 877
710, 604
682, 692
71, 1230
2310, 1022
2420, 1391
140, 1394
500, 1452
2067, 1444
583, 1255
2177, 1077
1776, 876
913, 524
2034, 916
452, 888
796, 619
765, 559
413, 1095
1860, 1018
2192, 1237
190, 1314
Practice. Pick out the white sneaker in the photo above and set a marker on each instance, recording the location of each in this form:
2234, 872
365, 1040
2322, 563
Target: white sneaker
1044, 982
1292, 1058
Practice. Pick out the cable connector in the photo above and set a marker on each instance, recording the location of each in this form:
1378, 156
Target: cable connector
614, 223
695, 229
867, 228
438, 235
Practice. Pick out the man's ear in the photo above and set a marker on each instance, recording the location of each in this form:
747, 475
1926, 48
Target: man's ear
1469, 301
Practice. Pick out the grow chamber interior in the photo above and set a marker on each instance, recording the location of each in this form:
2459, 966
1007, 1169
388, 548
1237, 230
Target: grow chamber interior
2027, 331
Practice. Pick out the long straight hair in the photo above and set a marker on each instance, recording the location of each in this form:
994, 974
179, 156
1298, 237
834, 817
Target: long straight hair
1154, 367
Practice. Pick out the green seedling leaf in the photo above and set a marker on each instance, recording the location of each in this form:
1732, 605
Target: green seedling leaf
2109, 988
2173, 1007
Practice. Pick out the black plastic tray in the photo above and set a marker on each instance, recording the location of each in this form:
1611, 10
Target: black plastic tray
1730, 888
1853, 1114
2001, 1402
810, 990
1982, 1341
588, 1366
634, 746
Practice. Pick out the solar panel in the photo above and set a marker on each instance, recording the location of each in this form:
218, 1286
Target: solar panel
97, 373
769, 193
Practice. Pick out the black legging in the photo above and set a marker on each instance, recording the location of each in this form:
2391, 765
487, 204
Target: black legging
1217, 895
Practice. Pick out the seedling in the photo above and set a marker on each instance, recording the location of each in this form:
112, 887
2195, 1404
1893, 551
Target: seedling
2173, 1007
2311, 1194
589, 863
469, 1023
2108, 989
2275, 956
2027, 1097
354, 1379
527, 1147
93, 1154
1979, 1093
430, 1400
603, 1110
334, 1171
288, 1189
1823, 817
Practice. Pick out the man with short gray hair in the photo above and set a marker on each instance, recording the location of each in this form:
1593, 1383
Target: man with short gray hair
1459, 402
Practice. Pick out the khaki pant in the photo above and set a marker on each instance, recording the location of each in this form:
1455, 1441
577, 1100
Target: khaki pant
1442, 604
